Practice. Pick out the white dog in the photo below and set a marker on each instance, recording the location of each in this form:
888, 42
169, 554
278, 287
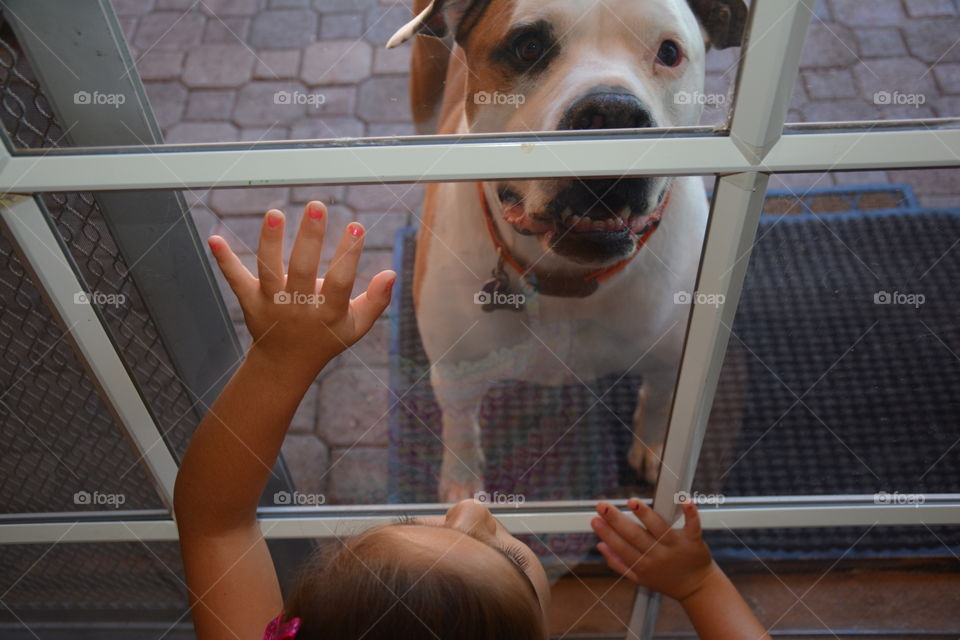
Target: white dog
559, 279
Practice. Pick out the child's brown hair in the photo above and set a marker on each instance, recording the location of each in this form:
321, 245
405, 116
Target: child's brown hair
368, 587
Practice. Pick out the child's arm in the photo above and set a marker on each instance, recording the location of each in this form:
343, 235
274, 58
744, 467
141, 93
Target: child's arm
231, 579
677, 563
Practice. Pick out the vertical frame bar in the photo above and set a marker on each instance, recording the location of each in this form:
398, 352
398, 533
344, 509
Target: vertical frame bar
774, 43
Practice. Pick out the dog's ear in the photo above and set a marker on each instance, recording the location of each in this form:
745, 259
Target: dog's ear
723, 20
438, 19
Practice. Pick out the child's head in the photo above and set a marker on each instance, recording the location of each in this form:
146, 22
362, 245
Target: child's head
460, 576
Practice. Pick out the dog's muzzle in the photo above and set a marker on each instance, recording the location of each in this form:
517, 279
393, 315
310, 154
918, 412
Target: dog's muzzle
597, 219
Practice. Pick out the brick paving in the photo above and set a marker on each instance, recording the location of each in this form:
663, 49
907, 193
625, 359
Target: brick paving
214, 70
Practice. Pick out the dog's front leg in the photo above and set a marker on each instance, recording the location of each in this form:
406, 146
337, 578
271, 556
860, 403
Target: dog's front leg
650, 423
461, 472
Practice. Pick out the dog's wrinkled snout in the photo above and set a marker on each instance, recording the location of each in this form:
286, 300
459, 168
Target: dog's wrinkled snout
605, 107
597, 199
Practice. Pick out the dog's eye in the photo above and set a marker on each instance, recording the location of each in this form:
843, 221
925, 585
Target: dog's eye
669, 54
529, 48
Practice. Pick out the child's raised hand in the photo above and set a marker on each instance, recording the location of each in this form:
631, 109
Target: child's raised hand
295, 319
674, 562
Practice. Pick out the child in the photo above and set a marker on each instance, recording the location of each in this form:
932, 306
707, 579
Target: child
458, 576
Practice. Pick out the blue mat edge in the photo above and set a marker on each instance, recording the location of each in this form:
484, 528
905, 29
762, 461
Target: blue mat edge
394, 368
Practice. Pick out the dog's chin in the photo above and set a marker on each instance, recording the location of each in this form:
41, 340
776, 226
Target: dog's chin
594, 238
594, 248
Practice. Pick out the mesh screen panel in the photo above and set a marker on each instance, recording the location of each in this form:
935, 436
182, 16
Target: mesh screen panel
25, 112
122, 580
56, 436
29, 122
60, 449
80, 222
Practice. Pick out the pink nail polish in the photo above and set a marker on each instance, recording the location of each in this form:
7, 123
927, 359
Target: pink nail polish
273, 220
356, 230
213, 244
316, 211
390, 284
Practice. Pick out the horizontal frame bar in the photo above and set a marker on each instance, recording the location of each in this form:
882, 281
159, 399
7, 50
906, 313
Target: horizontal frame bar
527, 157
321, 522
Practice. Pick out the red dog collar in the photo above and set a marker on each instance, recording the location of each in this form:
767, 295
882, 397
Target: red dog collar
565, 286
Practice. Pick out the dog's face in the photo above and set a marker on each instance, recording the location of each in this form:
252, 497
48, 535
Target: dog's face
543, 65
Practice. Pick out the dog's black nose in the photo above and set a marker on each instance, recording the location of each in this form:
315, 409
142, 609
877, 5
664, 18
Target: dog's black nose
606, 108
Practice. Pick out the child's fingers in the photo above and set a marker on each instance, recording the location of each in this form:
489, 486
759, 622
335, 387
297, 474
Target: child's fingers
305, 255
270, 253
368, 306
238, 276
629, 550
615, 563
691, 523
650, 518
625, 526
338, 283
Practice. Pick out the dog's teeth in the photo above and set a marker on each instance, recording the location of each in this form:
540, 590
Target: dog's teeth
614, 223
599, 225
566, 215
625, 212
574, 220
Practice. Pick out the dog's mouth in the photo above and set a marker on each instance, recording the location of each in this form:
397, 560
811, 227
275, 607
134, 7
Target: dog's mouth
589, 220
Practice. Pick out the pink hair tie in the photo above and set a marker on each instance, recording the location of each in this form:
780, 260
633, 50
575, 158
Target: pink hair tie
277, 629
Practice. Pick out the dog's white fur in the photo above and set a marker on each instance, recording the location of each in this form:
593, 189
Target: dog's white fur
631, 322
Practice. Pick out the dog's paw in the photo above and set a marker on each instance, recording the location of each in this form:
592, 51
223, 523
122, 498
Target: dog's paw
452, 491
645, 460
461, 477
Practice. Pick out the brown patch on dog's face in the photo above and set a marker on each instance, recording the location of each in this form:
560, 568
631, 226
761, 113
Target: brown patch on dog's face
484, 77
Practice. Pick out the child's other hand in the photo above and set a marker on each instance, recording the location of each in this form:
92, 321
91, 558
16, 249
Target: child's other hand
295, 319
674, 562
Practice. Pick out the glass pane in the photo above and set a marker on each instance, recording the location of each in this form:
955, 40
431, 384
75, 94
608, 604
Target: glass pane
239, 71
591, 602
879, 60
838, 581
252, 71
560, 362
842, 368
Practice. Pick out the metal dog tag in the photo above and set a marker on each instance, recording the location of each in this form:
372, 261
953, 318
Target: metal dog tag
496, 294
